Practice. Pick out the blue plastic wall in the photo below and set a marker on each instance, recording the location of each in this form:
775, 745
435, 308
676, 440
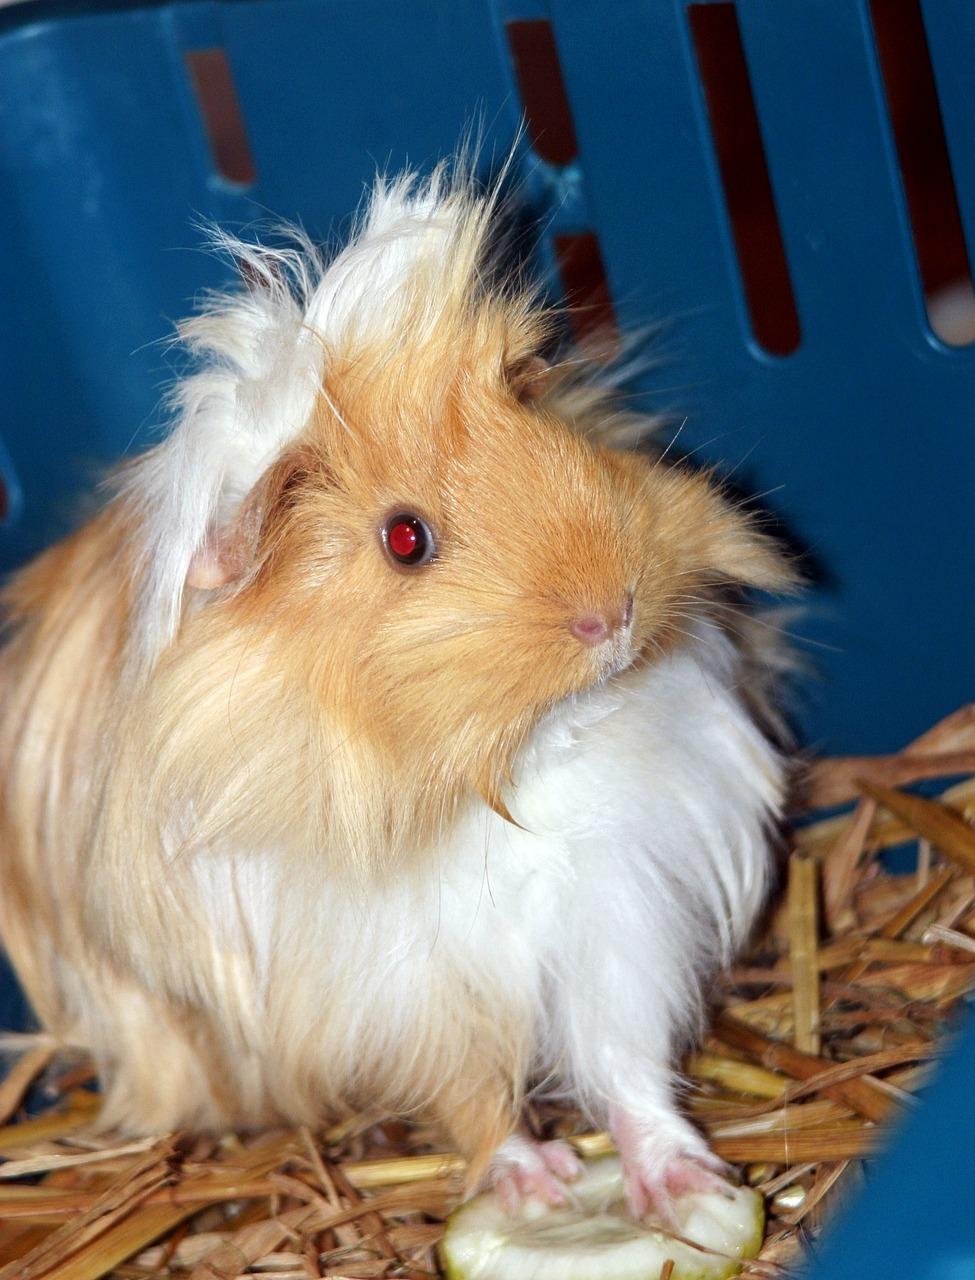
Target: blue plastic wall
864, 434
915, 1219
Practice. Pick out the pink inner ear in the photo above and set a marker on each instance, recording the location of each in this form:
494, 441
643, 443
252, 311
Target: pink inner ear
208, 569
530, 378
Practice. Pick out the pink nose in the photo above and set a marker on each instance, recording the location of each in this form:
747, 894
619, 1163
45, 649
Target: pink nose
594, 628
591, 629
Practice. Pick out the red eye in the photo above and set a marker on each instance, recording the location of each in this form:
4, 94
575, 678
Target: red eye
407, 539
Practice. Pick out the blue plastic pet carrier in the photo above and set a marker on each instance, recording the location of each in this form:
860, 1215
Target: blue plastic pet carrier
741, 178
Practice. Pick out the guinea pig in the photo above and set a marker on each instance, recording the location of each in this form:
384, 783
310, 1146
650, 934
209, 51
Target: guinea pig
387, 740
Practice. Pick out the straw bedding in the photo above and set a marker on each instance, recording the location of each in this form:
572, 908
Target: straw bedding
820, 1036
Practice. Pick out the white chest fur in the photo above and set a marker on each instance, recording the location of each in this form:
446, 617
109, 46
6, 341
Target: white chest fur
639, 862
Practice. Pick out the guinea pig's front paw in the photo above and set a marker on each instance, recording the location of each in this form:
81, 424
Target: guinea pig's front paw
523, 1167
658, 1190
662, 1163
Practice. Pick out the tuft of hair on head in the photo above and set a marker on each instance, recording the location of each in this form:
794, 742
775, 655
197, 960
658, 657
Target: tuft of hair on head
421, 250
590, 385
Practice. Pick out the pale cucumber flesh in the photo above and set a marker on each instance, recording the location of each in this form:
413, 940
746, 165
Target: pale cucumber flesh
594, 1238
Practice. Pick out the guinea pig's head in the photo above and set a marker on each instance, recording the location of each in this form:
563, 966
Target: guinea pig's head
447, 547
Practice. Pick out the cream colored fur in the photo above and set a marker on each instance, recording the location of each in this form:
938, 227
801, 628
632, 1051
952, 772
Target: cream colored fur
288, 832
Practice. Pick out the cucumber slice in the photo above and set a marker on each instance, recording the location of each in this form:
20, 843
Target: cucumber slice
593, 1237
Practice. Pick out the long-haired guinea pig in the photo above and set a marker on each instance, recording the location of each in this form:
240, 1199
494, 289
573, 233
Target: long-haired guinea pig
383, 742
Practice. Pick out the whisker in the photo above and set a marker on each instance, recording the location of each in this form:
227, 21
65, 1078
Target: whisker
673, 440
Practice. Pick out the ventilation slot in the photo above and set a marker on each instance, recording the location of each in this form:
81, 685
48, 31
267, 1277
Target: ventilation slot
219, 106
543, 97
586, 290
744, 176
548, 120
929, 188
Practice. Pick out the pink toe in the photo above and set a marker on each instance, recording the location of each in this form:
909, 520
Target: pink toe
688, 1174
637, 1200
525, 1168
659, 1194
508, 1194
553, 1195
683, 1177
561, 1159
540, 1183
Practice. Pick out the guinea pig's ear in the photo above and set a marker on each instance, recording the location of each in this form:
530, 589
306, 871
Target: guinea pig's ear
231, 552
753, 559
725, 541
529, 378
740, 552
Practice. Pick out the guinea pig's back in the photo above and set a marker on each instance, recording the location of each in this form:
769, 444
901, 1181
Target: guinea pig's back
65, 616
